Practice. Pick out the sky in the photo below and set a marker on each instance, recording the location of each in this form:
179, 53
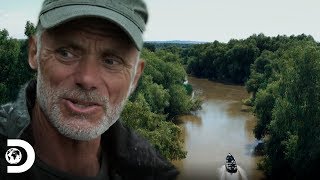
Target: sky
198, 20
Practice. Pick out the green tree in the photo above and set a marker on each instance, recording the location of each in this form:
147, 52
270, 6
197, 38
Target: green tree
293, 144
263, 106
180, 102
160, 96
261, 73
30, 29
155, 95
165, 136
9, 59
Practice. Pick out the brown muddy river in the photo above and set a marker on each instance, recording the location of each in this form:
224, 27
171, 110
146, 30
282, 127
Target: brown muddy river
222, 126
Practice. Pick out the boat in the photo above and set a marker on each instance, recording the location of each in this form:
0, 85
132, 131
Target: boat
231, 164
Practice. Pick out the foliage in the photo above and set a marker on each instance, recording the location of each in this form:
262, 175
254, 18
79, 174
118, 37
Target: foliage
29, 29
160, 96
263, 106
231, 62
155, 95
288, 107
14, 70
261, 73
162, 134
180, 102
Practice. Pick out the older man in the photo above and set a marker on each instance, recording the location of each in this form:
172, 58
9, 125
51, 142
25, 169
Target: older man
86, 53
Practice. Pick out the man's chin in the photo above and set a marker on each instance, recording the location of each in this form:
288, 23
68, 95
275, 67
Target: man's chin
82, 133
80, 128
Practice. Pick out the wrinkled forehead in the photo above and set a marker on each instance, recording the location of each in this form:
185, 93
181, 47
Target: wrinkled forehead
92, 25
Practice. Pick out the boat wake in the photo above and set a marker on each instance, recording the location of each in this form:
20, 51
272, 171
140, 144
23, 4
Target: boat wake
225, 175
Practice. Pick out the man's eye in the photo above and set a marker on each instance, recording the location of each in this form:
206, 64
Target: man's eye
113, 63
65, 54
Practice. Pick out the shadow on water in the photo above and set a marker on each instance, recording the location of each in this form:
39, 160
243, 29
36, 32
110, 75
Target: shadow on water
255, 148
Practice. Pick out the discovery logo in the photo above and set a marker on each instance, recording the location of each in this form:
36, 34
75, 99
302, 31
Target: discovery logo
14, 156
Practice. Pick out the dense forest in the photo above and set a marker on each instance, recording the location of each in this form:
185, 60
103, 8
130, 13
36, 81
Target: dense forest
281, 73
160, 97
283, 76
286, 98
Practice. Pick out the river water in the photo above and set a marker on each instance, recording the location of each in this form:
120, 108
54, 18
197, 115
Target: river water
223, 125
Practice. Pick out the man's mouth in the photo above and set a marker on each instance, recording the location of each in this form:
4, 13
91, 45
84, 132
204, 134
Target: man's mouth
80, 106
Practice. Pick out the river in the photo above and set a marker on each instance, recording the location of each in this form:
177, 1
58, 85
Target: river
223, 125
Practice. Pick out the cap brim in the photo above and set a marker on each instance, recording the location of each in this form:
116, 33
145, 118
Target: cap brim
63, 14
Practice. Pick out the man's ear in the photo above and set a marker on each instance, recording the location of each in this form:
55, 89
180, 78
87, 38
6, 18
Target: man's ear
139, 71
32, 53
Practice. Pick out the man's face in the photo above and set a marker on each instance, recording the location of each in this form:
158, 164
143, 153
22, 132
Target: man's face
86, 70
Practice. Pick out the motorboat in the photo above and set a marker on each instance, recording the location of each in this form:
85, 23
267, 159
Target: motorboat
231, 164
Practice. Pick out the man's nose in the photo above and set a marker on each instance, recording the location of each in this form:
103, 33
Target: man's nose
87, 75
